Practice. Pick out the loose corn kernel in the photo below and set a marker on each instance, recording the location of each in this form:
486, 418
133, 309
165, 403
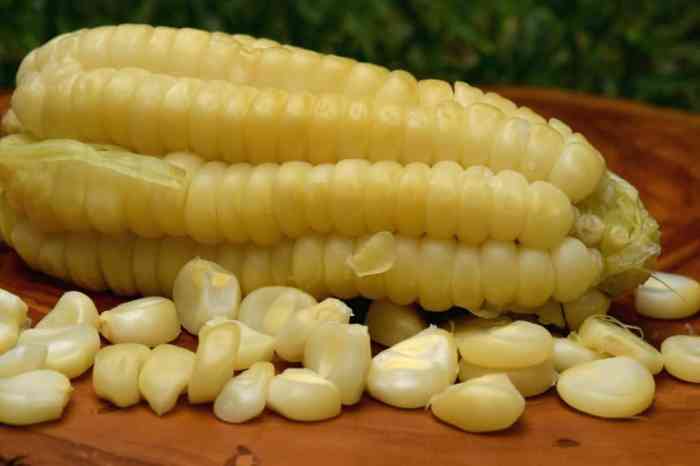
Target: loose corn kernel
668, 296
165, 376
73, 308
254, 346
256, 305
616, 387
682, 357
569, 352
292, 337
245, 395
70, 350
33, 397
115, 376
503, 344
529, 381
214, 361
483, 404
606, 335
13, 317
390, 323
303, 395
342, 354
204, 290
149, 321
22, 358
409, 373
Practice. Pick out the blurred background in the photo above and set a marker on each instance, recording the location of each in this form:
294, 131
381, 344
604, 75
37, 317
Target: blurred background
647, 50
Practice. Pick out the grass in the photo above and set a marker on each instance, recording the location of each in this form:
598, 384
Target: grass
646, 50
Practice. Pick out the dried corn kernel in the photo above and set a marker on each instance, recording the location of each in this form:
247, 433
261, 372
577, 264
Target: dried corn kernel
390, 323
22, 358
70, 350
613, 388
682, 357
73, 308
165, 376
342, 354
483, 404
204, 290
607, 335
291, 339
149, 321
214, 361
33, 397
303, 395
115, 376
409, 373
668, 296
244, 396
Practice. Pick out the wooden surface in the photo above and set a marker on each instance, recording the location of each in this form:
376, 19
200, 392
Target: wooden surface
657, 150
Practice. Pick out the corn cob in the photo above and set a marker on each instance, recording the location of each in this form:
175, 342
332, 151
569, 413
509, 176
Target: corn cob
242, 59
438, 274
352, 198
119, 85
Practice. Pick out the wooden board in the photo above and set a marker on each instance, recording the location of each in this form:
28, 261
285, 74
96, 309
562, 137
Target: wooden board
657, 150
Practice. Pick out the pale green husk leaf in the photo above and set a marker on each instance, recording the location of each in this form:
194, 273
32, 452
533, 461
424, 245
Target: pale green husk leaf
626, 265
20, 152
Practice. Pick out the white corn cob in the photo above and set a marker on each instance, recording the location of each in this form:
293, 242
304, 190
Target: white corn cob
237, 109
263, 203
437, 273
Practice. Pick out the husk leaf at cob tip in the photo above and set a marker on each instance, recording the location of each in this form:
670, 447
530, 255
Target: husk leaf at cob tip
20, 152
631, 240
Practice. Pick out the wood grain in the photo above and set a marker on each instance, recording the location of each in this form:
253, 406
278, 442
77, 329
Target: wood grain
657, 150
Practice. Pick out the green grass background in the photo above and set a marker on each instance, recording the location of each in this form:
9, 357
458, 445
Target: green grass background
641, 49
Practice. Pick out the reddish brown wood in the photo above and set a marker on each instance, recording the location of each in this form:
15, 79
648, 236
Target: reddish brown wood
657, 150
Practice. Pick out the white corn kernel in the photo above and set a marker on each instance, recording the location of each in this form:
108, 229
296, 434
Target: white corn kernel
605, 335
204, 290
409, 373
73, 308
256, 305
245, 395
530, 381
591, 303
303, 395
22, 358
374, 255
503, 344
13, 317
569, 352
682, 357
668, 296
149, 321
390, 323
292, 337
612, 388
70, 350
164, 376
115, 376
33, 397
279, 312
214, 361
254, 346
342, 354
484, 404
